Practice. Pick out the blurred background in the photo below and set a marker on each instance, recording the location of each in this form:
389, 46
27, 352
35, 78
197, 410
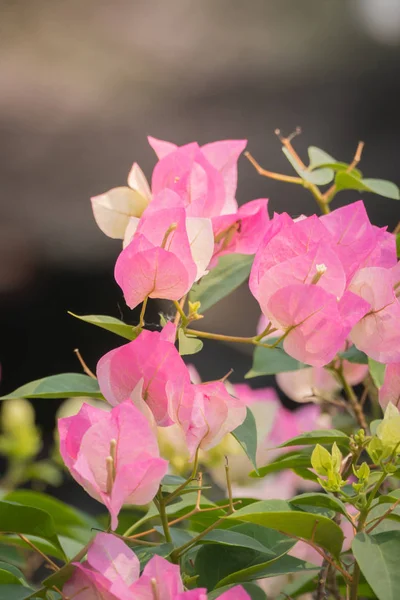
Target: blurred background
81, 86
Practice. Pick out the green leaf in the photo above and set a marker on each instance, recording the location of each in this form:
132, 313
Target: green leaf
269, 361
321, 460
347, 181
291, 460
246, 435
229, 537
231, 271
188, 344
280, 515
11, 587
377, 372
68, 521
323, 436
318, 176
355, 356
110, 324
319, 158
255, 592
17, 518
215, 562
285, 565
378, 559
12, 569
145, 554
65, 385
317, 499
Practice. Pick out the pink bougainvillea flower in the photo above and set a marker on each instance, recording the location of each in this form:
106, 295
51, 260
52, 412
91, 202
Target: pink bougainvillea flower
110, 569
242, 231
295, 252
206, 413
390, 391
378, 333
97, 448
359, 243
160, 261
315, 323
114, 209
205, 178
112, 572
151, 357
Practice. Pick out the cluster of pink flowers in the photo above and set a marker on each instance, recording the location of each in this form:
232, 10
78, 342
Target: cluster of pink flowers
322, 283
112, 571
324, 280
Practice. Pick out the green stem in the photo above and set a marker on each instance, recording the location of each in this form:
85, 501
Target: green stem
164, 517
191, 477
235, 339
142, 312
177, 553
355, 405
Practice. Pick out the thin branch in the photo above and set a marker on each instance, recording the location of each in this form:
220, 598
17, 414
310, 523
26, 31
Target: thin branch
84, 365
51, 564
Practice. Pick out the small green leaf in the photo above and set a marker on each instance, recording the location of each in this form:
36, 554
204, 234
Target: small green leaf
355, 356
321, 460
17, 518
318, 157
110, 324
377, 556
318, 176
377, 372
246, 435
347, 181
65, 385
188, 344
231, 271
323, 436
280, 515
269, 361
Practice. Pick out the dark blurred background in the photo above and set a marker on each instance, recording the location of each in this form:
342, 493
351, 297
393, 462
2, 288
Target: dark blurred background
82, 83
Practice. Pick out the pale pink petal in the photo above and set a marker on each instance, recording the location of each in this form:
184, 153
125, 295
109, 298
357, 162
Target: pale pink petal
390, 391
86, 584
72, 429
377, 334
223, 155
167, 579
235, 593
152, 357
201, 241
321, 324
160, 147
111, 557
113, 210
142, 271
138, 182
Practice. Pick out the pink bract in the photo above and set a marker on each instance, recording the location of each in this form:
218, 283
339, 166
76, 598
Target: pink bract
206, 413
97, 448
378, 333
317, 325
151, 357
241, 232
390, 391
205, 178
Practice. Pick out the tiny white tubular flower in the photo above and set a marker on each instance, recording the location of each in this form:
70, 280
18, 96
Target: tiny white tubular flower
114, 209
